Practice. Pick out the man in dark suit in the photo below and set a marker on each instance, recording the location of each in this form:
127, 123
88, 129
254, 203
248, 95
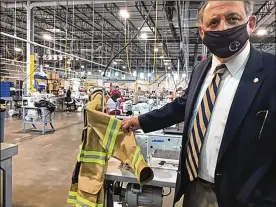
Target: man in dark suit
228, 155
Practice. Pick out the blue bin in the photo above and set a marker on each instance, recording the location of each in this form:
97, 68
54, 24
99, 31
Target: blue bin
5, 89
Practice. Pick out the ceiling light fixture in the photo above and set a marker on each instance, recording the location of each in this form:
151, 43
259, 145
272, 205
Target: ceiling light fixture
17, 49
134, 73
184, 75
156, 49
46, 66
114, 63
144, 36
82, 66
47, 37
124, 13
261, 32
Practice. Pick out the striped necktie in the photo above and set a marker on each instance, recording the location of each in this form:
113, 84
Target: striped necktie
201, 122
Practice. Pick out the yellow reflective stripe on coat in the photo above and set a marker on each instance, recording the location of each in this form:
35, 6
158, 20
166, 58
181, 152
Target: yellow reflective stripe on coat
136, 156
72, 197
138, 163
111, 135
81, 202
93, 157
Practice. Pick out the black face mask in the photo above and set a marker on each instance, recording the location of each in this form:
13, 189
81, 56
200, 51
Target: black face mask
226, 43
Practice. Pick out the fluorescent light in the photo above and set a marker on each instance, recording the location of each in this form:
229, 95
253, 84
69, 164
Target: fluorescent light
17, 49
116, 74
184, 75
54, 57
156, 49
47, 37
123, 77
114, 63
261, 32
124, 13
89, 73
169, 67
68, 62
134, 73
46, 66
166, 63
168, 75
54, 30
161, 57
124, 67
175, 75
167, 60
144, 36
100, 71
82, 66
142, 75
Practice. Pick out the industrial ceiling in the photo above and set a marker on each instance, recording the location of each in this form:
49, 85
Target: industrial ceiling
94, 31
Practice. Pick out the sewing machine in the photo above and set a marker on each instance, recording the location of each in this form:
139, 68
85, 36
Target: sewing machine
141, 108
175, 129
161, 152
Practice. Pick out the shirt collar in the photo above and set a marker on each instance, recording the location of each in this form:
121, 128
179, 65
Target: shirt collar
236, 63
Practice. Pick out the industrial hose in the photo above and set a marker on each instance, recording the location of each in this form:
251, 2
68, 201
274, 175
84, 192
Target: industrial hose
128, 42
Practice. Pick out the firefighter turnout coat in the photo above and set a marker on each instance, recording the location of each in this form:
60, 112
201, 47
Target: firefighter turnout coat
102, 138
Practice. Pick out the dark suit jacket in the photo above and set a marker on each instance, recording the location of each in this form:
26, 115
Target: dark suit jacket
245, 174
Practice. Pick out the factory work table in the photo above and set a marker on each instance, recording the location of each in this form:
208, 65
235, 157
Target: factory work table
162, 177
44, 121
7, 152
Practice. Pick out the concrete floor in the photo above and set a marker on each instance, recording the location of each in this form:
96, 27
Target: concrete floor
43, 168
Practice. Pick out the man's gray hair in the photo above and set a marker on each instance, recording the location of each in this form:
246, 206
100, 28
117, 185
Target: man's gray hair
248, 6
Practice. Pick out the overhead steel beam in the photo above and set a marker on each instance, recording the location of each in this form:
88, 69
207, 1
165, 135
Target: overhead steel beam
113, 9
264, 12
169, 14
271, 30
143, 10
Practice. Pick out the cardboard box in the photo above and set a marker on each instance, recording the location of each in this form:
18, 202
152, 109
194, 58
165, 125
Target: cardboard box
49, 75
62, 83
50, 86
56, 86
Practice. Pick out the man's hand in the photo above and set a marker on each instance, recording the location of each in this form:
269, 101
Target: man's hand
131, 124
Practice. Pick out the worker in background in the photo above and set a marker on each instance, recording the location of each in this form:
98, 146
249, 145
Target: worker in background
69, 100
228, 156
116, 91
171, 96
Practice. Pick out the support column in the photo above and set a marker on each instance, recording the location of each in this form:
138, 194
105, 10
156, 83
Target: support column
30, 51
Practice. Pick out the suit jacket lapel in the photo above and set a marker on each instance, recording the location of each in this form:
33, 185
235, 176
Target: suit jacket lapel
249, 85
195, 88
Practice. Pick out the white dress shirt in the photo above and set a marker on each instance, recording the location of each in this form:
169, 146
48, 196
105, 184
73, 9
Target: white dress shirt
226, 92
